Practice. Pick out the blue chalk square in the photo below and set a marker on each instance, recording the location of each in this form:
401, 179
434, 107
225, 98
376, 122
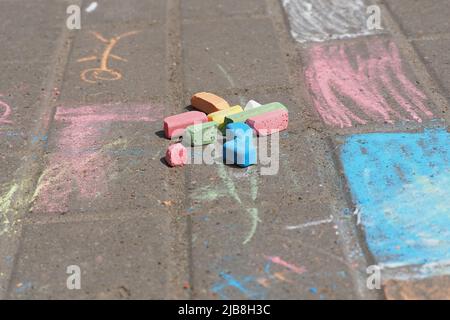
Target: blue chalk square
401, 184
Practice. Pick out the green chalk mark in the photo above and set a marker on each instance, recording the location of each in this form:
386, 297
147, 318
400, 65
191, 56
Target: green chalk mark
255, 219
228, 182
206, 194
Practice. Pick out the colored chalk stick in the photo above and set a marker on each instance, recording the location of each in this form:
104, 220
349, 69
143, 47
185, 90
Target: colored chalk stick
240, 151
252, 104
176, 155
238, 130
243, 116
200, 134
175, 125
208, 102
219, 116
269, 122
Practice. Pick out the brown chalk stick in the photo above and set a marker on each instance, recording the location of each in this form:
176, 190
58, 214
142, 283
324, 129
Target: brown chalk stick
208, 102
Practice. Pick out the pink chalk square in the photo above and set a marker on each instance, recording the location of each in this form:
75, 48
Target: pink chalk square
365, 82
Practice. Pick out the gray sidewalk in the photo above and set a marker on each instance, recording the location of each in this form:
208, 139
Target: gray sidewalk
83, 182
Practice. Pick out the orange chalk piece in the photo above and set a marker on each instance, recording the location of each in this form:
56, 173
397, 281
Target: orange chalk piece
208, 102
269, 122
176, 125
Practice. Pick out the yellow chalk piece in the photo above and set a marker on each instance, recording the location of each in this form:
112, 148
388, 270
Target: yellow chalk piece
219, 116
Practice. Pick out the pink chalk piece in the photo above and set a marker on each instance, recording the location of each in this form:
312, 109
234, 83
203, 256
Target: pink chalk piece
176, 155
175, 125
350, 86
269, 122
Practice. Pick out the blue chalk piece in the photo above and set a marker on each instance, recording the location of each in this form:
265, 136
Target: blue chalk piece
238, 130
239, 151
401, 184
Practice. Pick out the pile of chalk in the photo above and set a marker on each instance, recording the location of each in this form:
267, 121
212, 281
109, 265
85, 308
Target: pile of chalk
197, 128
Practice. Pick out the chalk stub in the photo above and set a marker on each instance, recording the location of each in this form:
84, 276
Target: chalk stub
208, 102
269, 122
252, 104
175, 125
176, 155
201, 134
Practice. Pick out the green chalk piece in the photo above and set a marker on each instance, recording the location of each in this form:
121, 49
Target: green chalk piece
202, 133
243, 116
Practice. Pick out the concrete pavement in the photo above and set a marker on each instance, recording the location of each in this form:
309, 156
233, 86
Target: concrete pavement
83, 179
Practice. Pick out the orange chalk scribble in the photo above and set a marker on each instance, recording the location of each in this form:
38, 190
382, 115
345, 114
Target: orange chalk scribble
104, 72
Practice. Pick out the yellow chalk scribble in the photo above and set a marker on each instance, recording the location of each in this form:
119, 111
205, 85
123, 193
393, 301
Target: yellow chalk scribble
104, 72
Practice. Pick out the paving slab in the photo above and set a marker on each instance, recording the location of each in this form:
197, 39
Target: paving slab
121, 259
421, 17
233, 54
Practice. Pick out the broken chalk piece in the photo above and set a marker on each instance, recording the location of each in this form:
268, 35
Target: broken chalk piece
240, 151
243, 116
238, 130
175, 125
252, 104
200, 134
208, 102
176, 155
269, 122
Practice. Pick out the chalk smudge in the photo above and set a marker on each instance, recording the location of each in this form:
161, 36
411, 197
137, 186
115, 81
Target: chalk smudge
11, 201
245, 285
80, 164
310, 224
375, 81
281, 262
400, 182
91, 7
5, 112
321, 20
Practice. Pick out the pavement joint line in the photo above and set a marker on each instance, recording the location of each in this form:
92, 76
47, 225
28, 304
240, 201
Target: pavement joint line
240, 17
28, 172
181, 228
349, 244
39, 218
353, 244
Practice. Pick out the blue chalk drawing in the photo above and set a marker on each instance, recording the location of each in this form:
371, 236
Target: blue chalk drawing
246, 285
401, 184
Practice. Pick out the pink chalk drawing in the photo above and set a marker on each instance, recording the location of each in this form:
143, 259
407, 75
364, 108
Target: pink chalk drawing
369, 80
6, 112
281, 262
79, 167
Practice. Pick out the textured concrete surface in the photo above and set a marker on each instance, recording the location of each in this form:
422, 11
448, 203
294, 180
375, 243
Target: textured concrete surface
83, 180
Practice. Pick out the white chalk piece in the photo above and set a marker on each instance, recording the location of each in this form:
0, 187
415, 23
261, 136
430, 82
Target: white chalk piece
252, 104
91, 7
